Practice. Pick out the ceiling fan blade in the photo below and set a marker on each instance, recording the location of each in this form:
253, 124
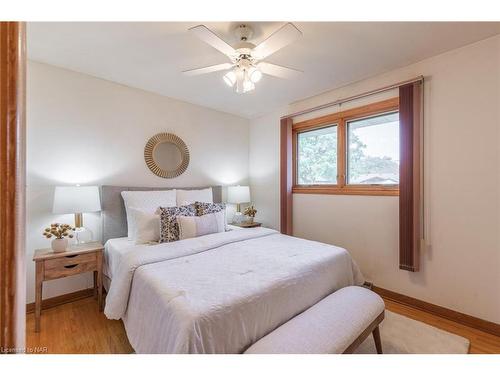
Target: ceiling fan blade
278, 70
208, 69
279, 39
205, 34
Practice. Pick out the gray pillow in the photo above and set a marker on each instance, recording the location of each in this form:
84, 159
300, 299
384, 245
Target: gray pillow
169, 228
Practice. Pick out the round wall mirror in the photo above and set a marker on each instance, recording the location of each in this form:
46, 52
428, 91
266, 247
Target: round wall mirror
166, 155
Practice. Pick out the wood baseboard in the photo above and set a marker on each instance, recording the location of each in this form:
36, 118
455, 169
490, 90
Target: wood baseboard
59, 300
455, 316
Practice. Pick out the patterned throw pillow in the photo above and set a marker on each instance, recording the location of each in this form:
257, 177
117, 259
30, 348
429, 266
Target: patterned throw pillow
203, 208
169, 228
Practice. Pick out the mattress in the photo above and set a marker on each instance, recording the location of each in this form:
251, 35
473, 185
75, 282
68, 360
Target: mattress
222, 292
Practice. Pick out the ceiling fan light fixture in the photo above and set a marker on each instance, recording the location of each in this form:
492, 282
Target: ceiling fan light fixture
230, 78
248, 86
240, 81
255, 75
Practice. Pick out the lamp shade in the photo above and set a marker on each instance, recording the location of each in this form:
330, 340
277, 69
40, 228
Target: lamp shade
238, 194
76, 199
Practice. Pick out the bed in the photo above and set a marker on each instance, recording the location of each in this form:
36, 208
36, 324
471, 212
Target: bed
217, 293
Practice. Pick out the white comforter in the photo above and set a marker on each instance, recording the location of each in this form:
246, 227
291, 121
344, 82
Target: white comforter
222, 292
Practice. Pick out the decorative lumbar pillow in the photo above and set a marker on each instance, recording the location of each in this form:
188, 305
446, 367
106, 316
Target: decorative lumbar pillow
185, 197
146, 201
169, 229
203, 208
147, 226
195, 226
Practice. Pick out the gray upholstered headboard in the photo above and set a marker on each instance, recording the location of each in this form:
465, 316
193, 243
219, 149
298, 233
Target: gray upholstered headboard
114, 219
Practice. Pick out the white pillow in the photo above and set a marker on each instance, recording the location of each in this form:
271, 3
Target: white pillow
147, 226
146, 201
195, 226
185, 197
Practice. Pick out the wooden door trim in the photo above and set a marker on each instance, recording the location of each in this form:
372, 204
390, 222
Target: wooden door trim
12, 186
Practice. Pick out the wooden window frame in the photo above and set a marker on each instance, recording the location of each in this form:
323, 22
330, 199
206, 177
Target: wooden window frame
340, 119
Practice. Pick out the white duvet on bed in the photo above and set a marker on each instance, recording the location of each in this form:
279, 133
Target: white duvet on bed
114, 250
220, 293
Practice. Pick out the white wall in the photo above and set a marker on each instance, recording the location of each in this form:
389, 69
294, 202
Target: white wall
461, 264
90, 131
264, 168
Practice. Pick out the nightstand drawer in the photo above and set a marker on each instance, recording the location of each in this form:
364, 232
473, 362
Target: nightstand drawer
69, 265
69, 269
59, 263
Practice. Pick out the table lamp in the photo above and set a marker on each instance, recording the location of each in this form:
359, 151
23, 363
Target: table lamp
237, 195
77, 200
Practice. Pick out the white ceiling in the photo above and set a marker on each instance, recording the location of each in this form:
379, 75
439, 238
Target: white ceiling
151, 56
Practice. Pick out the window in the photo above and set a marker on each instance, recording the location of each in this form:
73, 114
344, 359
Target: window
373, 150
317, 159
350, 152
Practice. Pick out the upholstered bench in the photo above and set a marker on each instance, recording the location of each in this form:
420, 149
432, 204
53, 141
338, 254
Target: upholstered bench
337, 324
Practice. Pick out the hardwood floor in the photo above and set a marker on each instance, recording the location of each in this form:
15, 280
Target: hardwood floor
78, 327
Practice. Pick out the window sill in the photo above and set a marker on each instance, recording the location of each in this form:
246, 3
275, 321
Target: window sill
347, 190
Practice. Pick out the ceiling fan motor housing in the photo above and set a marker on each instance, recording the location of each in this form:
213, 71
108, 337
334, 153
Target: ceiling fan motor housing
244, 64
244, 32
244, 47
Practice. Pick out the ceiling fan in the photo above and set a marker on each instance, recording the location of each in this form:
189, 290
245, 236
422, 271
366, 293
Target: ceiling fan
246, 66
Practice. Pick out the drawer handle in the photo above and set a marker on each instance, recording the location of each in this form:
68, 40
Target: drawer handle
71, 266
71, 256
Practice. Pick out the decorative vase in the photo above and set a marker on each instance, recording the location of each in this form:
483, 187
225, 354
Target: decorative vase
250, 220
59, 245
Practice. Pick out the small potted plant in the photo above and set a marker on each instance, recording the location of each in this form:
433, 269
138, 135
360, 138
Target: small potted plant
250, 211
60, 232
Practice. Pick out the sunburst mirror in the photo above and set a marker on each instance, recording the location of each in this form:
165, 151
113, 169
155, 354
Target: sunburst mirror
166, 155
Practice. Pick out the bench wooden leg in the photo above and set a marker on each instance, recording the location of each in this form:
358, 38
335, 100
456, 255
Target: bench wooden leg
376, 338
373, 329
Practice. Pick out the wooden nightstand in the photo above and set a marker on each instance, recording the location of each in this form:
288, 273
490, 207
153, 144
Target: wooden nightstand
248, 225
75, 260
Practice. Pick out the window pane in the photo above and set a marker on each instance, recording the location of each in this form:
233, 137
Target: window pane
373, 150
317, 156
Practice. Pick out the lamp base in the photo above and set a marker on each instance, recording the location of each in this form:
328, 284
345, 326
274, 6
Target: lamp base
238, 218
83, 235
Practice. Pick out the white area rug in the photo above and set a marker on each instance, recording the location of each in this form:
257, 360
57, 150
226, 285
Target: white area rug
402, 335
